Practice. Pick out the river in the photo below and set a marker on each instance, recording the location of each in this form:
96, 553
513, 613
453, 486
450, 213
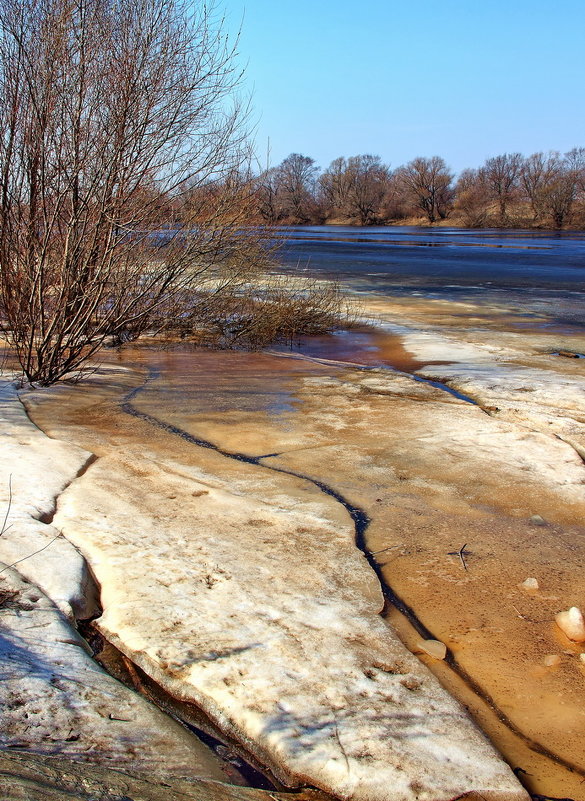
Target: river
538, 272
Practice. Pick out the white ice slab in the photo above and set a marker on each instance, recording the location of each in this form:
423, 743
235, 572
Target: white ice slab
34, 470
266, 615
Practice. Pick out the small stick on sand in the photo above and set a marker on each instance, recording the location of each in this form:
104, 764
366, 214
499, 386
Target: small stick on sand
461, 553
382, 550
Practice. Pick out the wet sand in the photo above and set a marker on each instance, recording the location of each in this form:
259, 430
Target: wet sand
432, 473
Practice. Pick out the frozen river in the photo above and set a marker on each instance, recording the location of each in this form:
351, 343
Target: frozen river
542, 272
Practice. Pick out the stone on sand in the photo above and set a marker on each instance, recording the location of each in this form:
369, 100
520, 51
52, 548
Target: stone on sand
572, 624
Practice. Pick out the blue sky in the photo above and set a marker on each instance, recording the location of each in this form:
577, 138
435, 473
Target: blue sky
463, 80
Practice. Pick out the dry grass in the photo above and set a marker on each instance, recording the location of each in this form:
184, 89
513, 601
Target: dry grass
275, 310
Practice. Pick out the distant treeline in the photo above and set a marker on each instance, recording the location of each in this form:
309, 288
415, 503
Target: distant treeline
544, 190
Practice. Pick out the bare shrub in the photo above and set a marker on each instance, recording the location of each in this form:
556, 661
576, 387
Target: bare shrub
120, 186
278, 309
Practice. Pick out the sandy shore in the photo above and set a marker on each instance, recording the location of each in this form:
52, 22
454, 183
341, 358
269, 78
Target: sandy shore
236, 584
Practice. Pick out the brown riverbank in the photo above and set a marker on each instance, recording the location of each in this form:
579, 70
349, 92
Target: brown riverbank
452, 221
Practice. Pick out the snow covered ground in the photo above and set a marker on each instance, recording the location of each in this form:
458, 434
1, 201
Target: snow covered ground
56, 701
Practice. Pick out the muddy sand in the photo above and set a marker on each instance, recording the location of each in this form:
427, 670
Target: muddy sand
259, 534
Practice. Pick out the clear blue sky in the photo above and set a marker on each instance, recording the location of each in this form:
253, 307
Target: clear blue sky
462, 79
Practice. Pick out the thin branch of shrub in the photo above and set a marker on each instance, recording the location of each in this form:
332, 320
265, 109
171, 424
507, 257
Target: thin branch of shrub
29, 555
5, 528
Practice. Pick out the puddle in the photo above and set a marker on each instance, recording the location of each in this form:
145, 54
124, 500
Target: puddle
568, 354
362, 346
196, 381
199, 381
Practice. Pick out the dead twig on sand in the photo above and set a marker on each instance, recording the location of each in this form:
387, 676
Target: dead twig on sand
382, 550
461, 553
343, 751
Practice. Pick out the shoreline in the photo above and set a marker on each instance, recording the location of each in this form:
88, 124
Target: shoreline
419, 222
245, 430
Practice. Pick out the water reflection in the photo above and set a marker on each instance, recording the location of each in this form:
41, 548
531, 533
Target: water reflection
361, 346
195, 381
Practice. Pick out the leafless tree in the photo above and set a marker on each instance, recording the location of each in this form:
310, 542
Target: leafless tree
502, 175
334, 186
472, 198
538, 172
396, 203
575, 160
269, 196
112, 115
368, 180
551, 182
356, 187
429, 182
297, 177
560, 198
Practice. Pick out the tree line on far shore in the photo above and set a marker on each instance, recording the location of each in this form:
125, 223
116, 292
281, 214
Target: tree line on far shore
544, 190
